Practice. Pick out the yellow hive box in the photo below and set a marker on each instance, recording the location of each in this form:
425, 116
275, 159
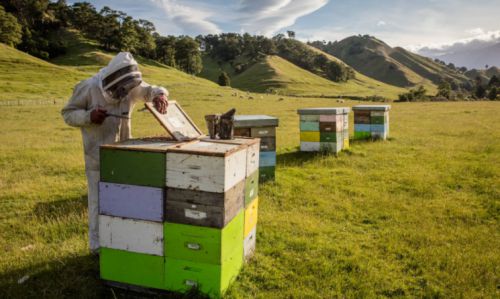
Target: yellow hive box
251, 216
309, 136
346, 142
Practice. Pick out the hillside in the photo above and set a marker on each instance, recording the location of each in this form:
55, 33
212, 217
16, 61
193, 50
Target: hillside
275, 74
26, 77
394, 66
23, 76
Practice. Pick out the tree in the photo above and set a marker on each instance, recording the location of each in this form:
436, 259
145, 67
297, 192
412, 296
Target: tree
165, 49
444, 89
480, 92
187, 55
414, 95
10, 29
494, 82
291, 34
224, 79
146, 46
492, 95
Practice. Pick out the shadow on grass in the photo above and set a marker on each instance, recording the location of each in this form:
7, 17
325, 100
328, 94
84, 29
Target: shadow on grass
51, 210
72, 277
298, 158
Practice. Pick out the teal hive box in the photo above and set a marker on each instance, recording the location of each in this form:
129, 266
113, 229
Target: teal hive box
263, 127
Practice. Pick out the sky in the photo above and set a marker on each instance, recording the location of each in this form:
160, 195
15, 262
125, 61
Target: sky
417, 25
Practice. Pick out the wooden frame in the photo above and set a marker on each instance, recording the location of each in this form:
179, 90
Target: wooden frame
167, 121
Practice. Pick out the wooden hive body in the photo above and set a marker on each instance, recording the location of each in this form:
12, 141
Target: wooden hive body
324, 129
371, 121
263, 127
172, 210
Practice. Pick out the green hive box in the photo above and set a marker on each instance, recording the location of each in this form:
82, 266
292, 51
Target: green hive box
210, 279
132, 268
204, 244
267, 173
135, 162
251, 187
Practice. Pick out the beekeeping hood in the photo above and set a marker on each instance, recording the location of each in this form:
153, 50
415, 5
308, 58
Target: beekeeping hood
119, 77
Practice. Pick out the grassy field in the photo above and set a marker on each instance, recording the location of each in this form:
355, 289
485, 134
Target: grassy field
417, 216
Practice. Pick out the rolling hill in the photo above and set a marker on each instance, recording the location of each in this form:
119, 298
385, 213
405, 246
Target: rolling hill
275, 74
395, 66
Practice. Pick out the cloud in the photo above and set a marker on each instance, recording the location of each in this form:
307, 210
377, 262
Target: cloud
268, 17
478, 39
381, 23
254, 16
189, 18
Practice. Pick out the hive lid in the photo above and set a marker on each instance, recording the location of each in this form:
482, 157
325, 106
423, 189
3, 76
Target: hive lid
176, 122
237, 140
149, 144
253, 121
372, 107
207, 147
323, 111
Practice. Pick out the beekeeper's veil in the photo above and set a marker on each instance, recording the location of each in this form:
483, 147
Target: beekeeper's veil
118, 78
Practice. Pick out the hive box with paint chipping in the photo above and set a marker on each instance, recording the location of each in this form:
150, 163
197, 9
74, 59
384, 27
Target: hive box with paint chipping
371, 121
324, 129
232, 163
253, 163
263, 127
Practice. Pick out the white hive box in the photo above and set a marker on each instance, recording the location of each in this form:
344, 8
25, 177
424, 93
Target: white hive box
206, 166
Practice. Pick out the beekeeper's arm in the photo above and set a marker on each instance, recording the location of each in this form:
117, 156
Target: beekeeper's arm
77, 112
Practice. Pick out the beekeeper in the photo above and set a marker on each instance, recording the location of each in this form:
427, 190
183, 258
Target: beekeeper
102, 106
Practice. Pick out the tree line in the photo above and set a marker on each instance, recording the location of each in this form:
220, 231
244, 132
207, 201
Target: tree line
227, 47
480, 91
33, 26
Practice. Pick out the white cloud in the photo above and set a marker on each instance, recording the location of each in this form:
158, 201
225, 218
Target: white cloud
478, 39
381, 23
268, 17
190, 19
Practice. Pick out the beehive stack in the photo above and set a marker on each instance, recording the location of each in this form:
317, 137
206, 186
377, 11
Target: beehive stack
324, 129
206, 222
263, 127
132, 212
177, 215
371, 121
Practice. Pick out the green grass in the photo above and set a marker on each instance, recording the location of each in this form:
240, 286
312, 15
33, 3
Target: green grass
416, 216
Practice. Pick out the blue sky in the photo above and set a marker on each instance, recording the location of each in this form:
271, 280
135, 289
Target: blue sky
411, 24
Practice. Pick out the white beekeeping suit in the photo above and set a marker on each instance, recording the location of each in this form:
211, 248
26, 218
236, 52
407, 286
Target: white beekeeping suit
114, 90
